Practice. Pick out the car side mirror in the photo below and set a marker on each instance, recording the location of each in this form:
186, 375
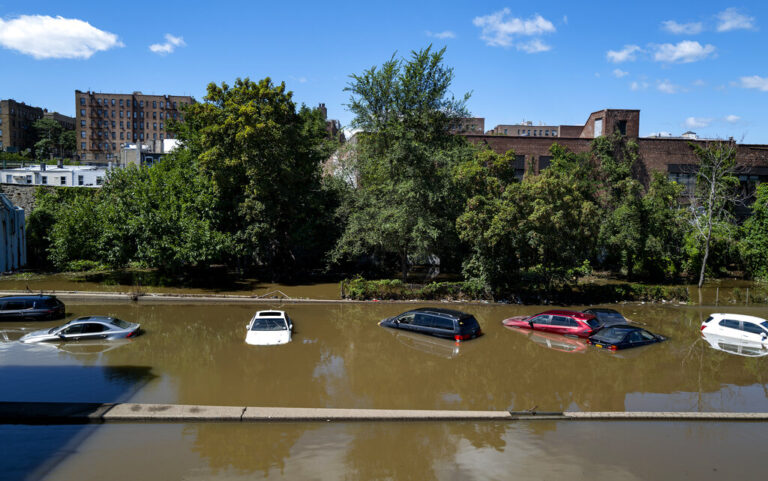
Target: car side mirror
247, 326
530, 323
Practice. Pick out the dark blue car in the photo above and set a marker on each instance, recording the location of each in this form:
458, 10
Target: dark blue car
30, 308
623, 337
445, 323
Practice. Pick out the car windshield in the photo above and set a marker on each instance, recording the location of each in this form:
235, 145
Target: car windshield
593, 323
765, 325
611, 335
273, 324
121, 323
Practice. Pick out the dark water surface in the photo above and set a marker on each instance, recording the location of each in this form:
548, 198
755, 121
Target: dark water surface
340, 358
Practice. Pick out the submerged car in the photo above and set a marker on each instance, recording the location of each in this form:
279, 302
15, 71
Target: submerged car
30, 308
623, 337
607, 317
737, 326
568, 323
269, 328
438, 322
88, 328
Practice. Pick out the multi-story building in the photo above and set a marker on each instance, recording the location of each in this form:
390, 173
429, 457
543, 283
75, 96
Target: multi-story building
106, 122
16, 119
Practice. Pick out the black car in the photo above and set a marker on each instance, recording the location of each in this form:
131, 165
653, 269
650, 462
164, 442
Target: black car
437, 322
606, 317
623, 337
30, 308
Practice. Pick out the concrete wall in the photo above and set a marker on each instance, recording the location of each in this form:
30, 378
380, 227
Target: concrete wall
21, 195
13, 239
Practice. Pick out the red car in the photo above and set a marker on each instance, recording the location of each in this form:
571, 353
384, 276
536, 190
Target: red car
568, 323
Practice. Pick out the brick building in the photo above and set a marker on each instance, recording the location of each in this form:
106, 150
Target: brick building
670, 155
105, 122
16, 120
526, 129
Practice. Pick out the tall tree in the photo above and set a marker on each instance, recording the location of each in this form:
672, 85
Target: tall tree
716, 191
755, 241
265, 158
403, 205
49, 138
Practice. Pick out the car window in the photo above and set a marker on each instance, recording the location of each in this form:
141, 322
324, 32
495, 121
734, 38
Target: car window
15, 305
545, 319
422, 320
121, 323
635, 336
47, 302
593, 323
468, 324
93, 327
406, 318
269, 324
563, 321
76, 329
730, 323
647, 335
765, 325
442, 323
752, 328
611, 335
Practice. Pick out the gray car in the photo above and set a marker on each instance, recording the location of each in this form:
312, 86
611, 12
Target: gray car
89, 328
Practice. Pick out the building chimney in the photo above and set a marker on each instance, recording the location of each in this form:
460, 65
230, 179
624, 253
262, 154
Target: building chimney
324, 111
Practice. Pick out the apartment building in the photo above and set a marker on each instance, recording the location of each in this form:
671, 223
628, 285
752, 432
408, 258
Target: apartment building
16, 124
105, 122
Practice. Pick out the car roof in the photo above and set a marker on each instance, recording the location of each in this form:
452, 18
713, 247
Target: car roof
443, 312
107, 319
565, 312
270, 313
602, 310
738, 317
30, 296
624, 327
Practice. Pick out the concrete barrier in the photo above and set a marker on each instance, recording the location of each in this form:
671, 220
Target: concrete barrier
84, 413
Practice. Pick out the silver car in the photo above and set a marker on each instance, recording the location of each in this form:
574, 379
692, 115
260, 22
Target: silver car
89, 328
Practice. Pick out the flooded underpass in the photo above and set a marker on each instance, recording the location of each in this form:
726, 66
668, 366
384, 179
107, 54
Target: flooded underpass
340, 358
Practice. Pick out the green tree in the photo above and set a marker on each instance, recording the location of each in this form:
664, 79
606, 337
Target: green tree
754, 244
68, 143
49, 138
264, 157
403, 205
716, 192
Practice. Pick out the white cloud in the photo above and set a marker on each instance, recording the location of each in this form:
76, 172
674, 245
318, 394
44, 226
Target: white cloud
533, 46
699, 83
169, 46
732, 119
691, 28
44, 37
667, 87
638, 86
565, 19
684, 52
730, 19
441, 35
618, 73
499, 30
623, 55
697, 122
755, 82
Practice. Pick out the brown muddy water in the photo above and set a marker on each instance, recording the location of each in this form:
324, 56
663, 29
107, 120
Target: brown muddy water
339, 357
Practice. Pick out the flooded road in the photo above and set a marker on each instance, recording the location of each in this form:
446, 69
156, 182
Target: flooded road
340, 358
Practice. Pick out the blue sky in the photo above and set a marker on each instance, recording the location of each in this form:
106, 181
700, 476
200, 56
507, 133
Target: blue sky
698, 66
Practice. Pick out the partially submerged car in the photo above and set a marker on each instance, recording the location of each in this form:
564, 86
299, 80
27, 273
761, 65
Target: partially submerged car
737, 326
623, 337
438, 322
557, 321
31, 308
607, 317
269, 328
88, 328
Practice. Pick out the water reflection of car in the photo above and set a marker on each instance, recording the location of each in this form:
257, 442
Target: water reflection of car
269, 328
738, 347
87, 347
737, 326
568, 323
607, 317
88, 328
555, 342
438, 347
438, 322
624, 337
30, 308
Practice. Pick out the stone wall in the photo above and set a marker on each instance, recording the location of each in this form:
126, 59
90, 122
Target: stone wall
21, 195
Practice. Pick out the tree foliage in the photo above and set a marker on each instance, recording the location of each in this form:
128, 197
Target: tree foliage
754, 245
403, 205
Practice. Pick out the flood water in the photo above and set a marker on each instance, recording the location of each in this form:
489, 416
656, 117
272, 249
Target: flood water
340, 358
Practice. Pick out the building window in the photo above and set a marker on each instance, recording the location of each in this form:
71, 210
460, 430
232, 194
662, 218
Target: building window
154, 115
113, 101
161, 116
44, 179
99, 180
29, 179
141, 103
121, 135
8, 179
82, 134
161, 125
174, 106
154, 104
82, 145
80, 180
154, 125
135, 114
114, 146
113, 114
63, 181
98, 101
141, 135
82, 123
141, 114
621, 126
161, 136
154, 136
162, 105
121, 102
114, 135
121, 114
141, 125
82, 112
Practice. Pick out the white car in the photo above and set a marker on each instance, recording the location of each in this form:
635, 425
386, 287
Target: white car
737, 326
269, 328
